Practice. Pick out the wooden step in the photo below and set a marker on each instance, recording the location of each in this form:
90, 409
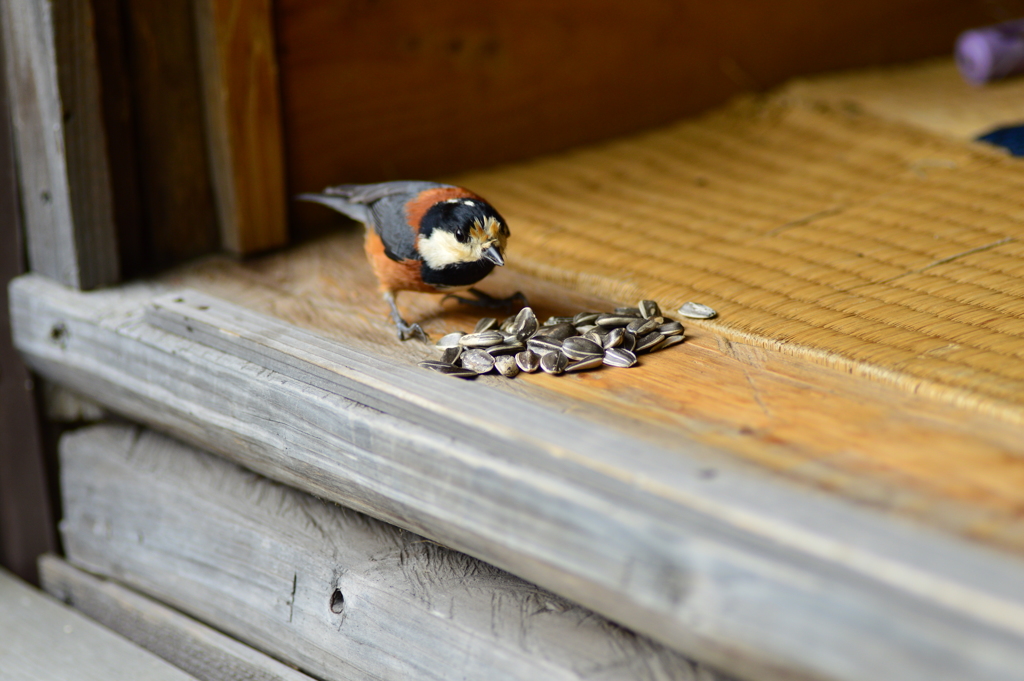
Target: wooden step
338, 595
41, 638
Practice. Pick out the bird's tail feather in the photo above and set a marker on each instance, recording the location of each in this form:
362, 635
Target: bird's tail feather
356, 211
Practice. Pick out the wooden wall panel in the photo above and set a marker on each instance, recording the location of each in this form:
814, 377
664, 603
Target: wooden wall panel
175, 183
396, 89
118, 116
243, 122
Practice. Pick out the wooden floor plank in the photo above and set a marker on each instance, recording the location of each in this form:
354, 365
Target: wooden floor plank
187, 644
45, 639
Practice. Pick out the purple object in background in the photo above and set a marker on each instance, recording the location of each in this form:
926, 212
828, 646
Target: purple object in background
991, 53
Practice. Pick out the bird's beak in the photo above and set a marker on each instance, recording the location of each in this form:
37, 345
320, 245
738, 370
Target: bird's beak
494, 255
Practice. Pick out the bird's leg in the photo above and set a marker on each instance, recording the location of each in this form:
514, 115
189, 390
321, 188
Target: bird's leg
405, 329
482, 299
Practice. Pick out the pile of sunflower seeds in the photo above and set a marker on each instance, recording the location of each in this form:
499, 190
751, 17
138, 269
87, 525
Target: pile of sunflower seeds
559, 345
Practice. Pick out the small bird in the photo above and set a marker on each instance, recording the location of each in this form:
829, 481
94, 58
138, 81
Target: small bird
424, 236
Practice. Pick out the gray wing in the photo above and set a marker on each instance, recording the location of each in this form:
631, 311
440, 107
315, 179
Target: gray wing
389, 220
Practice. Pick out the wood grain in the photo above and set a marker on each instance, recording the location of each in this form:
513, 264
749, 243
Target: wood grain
45, 639
85, 141
243, 122
677, 540
179, 215
333, 592
185, 643
111, 28
401, 90
27, 526
60, 141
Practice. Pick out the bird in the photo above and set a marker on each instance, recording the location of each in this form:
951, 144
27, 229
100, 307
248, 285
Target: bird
424, 236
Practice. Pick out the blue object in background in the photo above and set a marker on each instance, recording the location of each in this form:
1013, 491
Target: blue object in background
1010, 138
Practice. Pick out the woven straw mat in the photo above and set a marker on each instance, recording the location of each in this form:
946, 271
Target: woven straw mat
817, 230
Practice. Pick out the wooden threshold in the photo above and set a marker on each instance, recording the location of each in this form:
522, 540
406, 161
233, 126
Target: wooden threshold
687, 542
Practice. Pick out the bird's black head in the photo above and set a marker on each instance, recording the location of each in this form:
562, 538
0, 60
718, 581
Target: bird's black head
462, 230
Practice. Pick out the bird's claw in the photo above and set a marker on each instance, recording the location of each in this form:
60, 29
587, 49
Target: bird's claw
482, 299
410, 331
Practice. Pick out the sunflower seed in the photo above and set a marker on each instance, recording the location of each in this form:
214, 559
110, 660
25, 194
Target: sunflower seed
553, 363
614, 320
642, 327
506, 324
558, 320
486, 324
506, 366
434, 364
451, 340
617, 357
505, 348
613, 338
578, 347
528, 361
670, 329
648, 309
628, 311
595, 335
645, 344
525, 324
483, 339
542, 345
448, 369
451, 355
697, 311
585, 318
559, 331
582, 329
672, 340
628, 340
585, 364
477, 360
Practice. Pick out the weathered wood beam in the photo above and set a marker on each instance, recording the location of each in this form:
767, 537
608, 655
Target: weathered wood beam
45, 639
53, 80
740, 569
187, 644
243, 122
337, 594
27, 526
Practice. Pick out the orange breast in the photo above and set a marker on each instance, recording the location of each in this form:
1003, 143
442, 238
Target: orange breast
393, 276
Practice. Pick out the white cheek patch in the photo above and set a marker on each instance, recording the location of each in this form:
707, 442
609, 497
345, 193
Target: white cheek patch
441, 249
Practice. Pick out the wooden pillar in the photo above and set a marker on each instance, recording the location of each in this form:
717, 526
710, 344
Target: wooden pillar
26, 522
60, 143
